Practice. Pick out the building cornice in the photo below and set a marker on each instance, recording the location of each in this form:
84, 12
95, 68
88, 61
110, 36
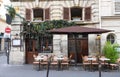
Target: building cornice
109, 17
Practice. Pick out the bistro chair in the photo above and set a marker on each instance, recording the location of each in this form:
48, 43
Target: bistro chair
115, 65
35, 62
44, 62
94, 62
54, 61
85, 61
65, 62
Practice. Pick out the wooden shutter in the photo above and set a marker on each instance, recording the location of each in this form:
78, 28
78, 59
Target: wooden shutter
88, 13
47, 14
66, 14
28, 14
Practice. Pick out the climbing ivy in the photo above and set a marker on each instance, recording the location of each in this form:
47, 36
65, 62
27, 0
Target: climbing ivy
34, 30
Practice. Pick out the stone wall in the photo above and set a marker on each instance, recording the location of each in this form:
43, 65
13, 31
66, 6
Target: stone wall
60, 44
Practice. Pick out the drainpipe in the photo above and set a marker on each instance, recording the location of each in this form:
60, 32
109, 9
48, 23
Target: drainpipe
100, 24
100, 21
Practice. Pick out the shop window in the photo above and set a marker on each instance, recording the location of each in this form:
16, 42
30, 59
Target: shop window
111, 38
46, 44
42, 45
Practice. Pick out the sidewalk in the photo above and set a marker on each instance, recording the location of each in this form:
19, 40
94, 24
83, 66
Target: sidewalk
28, 71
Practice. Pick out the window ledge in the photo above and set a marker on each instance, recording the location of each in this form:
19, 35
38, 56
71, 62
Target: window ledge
84, 22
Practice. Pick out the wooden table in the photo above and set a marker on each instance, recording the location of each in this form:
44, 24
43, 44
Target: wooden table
59, 62
39, 58
91, 59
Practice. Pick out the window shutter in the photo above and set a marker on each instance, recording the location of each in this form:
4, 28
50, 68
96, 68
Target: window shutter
28, 14
66, 14
88, 13
47, 14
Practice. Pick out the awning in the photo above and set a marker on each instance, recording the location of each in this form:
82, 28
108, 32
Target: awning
78, 29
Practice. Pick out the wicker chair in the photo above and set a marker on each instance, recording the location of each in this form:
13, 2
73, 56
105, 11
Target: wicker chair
65, 62
85, 62
35, 62
44, 62
54, 61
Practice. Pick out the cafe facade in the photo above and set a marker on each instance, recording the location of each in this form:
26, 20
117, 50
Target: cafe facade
83, 13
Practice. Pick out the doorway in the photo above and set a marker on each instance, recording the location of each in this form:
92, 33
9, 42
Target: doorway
78, 46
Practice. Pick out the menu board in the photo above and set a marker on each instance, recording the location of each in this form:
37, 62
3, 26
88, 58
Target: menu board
16, 42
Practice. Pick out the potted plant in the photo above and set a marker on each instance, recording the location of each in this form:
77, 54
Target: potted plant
110, 52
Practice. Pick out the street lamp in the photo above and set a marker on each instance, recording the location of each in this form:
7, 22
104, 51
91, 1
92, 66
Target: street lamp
98, 40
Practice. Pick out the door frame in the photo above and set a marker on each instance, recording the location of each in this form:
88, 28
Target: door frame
75, 51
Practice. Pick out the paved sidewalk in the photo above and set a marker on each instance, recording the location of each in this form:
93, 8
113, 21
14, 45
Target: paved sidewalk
28, 71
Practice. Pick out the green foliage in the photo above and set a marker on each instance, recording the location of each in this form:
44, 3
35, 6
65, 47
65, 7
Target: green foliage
110, 52
11, 11
34, 30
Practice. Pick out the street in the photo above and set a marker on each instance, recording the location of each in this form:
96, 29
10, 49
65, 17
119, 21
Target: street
26, 70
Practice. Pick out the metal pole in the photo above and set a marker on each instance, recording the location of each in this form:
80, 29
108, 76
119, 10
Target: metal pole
99, 40
8, 51
48, 68
75, 50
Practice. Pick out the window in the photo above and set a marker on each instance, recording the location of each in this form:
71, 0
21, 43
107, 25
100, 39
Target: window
111, 38
77, 13
117, 6
46, 44
38, 14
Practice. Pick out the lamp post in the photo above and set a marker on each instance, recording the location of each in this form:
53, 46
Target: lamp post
99, 55
8, 49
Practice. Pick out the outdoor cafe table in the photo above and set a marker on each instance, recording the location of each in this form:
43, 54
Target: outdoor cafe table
91, 59
39, 58
104, 60
59, 62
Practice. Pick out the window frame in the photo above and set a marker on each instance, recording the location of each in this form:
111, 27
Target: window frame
111, 37
78, 17
85, 16
41, 18
116, 7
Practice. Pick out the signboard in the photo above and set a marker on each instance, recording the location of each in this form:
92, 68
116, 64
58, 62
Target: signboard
6, 35
16, 42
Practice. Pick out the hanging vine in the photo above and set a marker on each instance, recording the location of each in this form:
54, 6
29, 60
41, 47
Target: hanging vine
33, 30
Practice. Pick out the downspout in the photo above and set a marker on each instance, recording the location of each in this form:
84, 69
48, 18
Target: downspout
100, 21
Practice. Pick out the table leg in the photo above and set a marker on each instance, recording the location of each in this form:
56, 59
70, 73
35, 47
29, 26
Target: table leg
39, 66
90, 65
59, 65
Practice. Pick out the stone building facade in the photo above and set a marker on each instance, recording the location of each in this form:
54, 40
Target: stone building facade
91, 14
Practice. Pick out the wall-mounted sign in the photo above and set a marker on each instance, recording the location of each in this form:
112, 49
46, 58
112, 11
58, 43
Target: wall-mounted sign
16, 42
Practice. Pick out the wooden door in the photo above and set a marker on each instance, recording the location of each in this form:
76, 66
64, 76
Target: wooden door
81, 48
30, 50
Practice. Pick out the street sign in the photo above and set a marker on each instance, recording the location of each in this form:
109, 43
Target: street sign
7, 30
